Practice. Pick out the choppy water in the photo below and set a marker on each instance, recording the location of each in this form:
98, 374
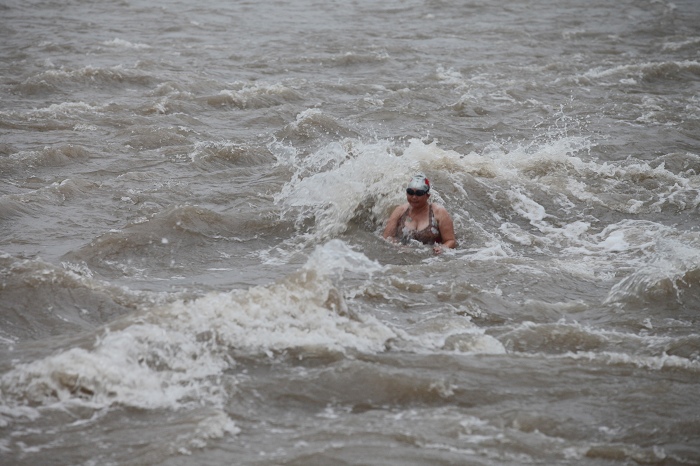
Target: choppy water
192, 196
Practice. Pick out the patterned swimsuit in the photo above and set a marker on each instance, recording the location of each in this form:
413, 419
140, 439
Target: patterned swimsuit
428, 235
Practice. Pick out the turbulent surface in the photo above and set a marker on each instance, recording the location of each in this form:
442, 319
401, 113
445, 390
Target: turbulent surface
191, 264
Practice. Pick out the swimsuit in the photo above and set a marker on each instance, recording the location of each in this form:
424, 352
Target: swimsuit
428, 235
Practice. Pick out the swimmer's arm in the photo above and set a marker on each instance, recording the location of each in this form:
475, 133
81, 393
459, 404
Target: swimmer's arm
392, 223
447, 229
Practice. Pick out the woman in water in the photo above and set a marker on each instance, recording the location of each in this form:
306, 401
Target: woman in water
421, 220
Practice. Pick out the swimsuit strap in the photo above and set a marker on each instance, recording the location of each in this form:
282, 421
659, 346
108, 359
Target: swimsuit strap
402, 220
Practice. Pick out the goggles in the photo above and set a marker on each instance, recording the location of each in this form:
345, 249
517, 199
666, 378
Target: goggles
416, 192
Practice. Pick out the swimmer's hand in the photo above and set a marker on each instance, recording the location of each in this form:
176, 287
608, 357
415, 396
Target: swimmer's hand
439, 248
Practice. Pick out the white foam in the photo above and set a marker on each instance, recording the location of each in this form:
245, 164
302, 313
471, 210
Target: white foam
657, 363
212, 427
174, 355
303, 311
125, 44
674, 46
307, 114
668, 257
118, 370
247, 93
450, 76
495, 250
336, 257
446, 332
67, 109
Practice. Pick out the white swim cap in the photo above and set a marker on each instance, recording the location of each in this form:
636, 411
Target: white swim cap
419, 181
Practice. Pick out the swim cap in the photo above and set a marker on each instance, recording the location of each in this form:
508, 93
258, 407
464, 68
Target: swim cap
419, 181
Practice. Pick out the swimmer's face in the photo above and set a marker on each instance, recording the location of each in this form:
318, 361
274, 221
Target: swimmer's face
415, 199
